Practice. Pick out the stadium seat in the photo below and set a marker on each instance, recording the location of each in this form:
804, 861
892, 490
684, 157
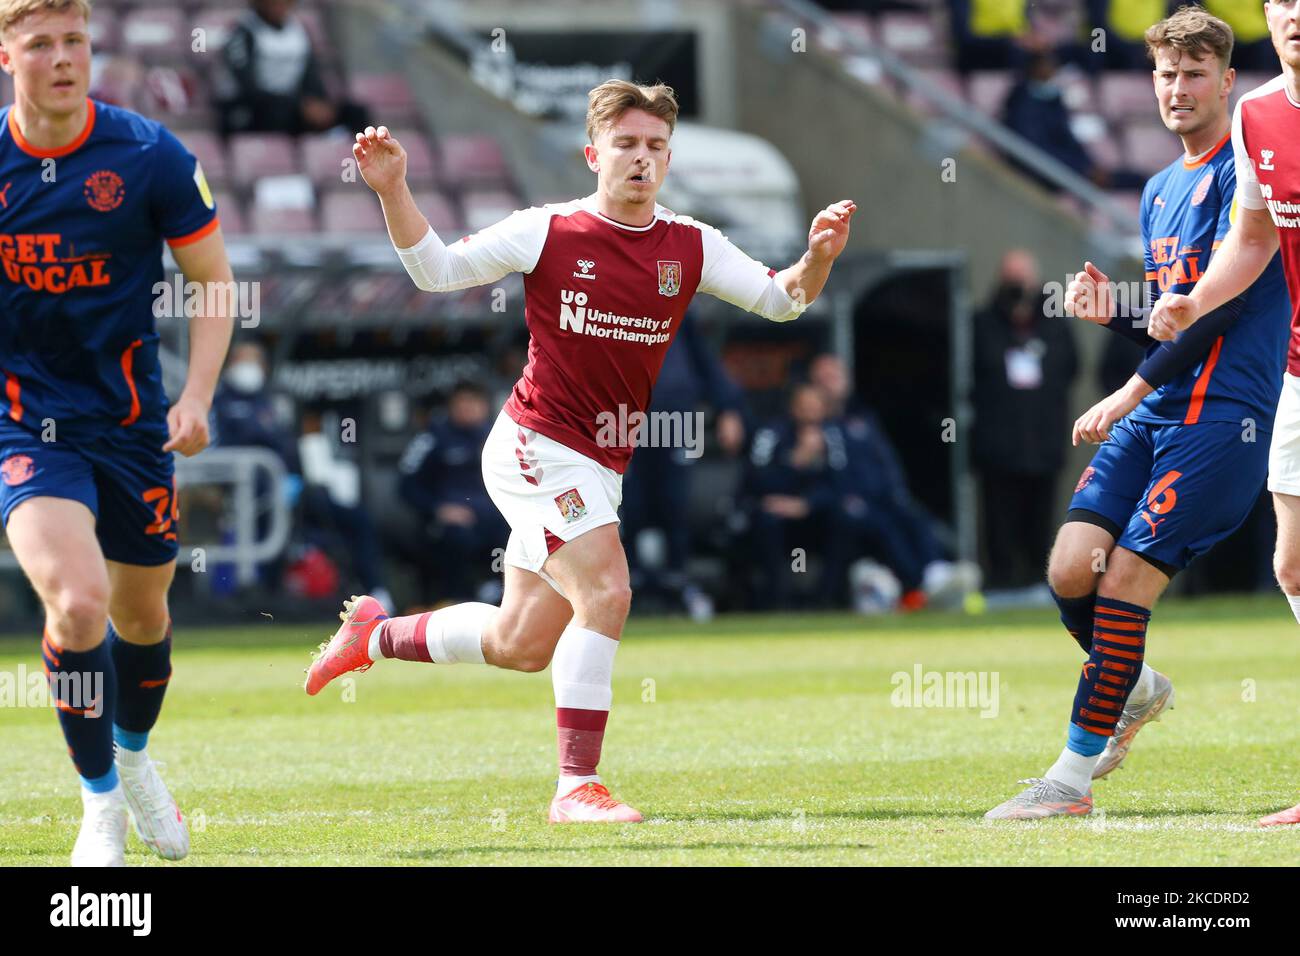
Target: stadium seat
988, 90
486, 207
207, 149
420, 167
104, 31
1095, 134
323, 156
948, 82
231, 213
442, 214
386, 94
276, 222
1149, 147
355, 212
253, 155
1126, 95
156, 33
473, 159
851, 30
915, 37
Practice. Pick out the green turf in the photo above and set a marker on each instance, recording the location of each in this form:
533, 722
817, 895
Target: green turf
758, 740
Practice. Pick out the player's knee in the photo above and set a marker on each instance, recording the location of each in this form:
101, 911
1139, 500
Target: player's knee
81, 610
1069, 576
614, 594
141, 624
1286, 569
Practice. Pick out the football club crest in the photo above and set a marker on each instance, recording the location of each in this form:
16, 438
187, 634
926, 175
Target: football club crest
670, 277
17, 469
1202, 189
1085, 479
104, 190
571, 505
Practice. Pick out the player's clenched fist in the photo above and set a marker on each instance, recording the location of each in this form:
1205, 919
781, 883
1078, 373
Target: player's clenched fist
1088, 296
1172, 314
830, 230
380, 158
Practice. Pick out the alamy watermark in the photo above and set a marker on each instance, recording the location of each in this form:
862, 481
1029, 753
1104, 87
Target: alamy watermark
947, 689
624, 429
81, 692
179, 299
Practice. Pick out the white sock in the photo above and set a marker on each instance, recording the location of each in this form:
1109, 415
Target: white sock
454, 635
372, 648
1074, 770
1294, 601
582, 670
1143, 688
565, 785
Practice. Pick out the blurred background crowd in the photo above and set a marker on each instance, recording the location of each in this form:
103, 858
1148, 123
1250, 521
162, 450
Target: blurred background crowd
904, 445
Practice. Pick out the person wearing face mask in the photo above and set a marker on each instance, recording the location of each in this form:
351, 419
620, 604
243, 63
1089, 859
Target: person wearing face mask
1025, 363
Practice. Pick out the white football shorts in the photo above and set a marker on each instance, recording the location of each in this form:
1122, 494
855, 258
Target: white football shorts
547, 492
1284, 452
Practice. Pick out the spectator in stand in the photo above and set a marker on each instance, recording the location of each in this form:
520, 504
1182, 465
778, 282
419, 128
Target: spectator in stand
1036, 109
788, 491
442, 482
989, 34
1124, 24
1025, 363
878, 515
271, 80
1253, 46
657, 485
244, 414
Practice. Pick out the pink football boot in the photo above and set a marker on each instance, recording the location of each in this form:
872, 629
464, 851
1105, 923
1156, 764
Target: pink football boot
348, 649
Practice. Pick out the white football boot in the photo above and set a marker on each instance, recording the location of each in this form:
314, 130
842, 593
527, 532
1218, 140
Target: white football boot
102, 840
1131, 721
158, 820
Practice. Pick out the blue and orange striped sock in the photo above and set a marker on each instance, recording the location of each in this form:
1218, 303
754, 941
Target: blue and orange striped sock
1119, 639
143, 671
1077, 616
84, 689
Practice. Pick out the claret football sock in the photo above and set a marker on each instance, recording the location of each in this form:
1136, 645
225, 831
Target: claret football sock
84, 689
1077, 616
143, 671
582, 673
451, 635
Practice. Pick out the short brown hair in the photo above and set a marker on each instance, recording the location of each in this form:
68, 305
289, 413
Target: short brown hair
1192, 30
607, 102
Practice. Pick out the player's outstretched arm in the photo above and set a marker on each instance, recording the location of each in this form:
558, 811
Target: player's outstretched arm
827, 236
204, 262
512, 245
1246, 252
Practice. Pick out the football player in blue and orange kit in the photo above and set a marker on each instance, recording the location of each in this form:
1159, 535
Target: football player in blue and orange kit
88, 194
1186, 441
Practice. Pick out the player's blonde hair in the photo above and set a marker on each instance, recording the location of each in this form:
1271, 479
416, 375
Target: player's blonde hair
11, 11
1192, 30
607, 102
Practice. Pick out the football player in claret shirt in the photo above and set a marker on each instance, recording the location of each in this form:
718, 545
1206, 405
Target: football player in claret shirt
88, 194
1266, 142
1181, 466
607, 280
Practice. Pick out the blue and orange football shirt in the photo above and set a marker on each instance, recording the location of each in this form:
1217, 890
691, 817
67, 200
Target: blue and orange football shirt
1187, 210
81, 243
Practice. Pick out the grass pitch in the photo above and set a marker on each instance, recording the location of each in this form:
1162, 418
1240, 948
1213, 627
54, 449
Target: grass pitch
755, 740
